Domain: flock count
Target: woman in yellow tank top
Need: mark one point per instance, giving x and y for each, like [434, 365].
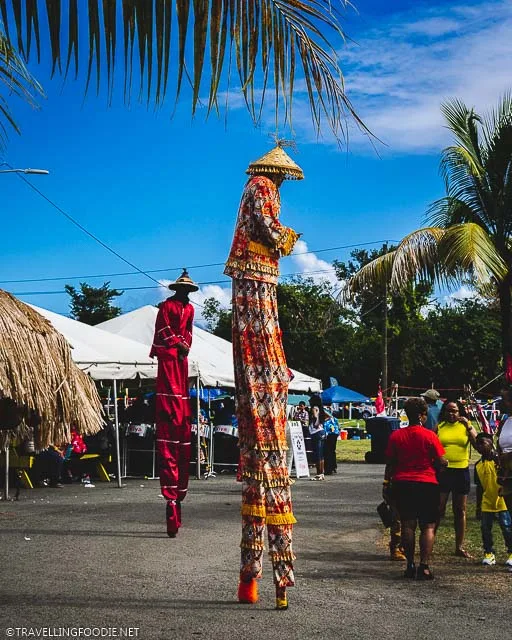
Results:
[456, 434]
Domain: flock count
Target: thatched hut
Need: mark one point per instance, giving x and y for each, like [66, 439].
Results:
[38, 374]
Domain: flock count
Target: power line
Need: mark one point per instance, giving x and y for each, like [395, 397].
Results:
[166, 270]
[82, 228]
[160, 285]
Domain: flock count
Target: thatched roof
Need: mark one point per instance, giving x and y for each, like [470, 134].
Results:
[37, 372]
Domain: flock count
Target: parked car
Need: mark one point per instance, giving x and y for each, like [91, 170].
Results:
[364, 410]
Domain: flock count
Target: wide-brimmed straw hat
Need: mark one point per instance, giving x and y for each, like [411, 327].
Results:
[184, 282]
[279, 162]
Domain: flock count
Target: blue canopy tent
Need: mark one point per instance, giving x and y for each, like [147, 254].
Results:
[342, 395]
[206, 393]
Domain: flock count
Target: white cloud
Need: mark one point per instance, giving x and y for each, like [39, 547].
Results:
[223, 295]
[399, 73]
[463, 293]
[311, 266]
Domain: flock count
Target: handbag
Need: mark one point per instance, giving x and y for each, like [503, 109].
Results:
[385, 513]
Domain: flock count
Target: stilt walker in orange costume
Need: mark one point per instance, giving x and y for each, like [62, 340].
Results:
[261, 375]
[171, 344]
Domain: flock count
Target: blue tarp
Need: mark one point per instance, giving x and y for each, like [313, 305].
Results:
[342, 394]
[209, 394]
[294, 399]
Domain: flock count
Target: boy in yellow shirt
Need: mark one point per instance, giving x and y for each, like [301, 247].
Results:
[492, 504]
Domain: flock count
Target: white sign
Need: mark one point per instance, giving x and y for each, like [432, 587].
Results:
[297, 451]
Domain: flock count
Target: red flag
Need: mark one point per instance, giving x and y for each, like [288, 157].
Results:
[508, 368]
[380, 407]
[484, 423]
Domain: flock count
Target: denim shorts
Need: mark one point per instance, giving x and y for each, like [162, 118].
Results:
[317, 440]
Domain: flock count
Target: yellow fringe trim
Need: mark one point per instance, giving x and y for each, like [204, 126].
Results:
[261, 249]
[251, 265]
[253, 510]
[277, 482]
[280, 518]
[288, 242]
[252, 546]
[273, 445]
[287, 555]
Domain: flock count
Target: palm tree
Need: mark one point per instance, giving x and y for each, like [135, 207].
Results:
[16, 80]
[264, 41]
[471, 227]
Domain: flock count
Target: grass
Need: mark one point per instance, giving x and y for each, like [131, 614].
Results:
[352, 450]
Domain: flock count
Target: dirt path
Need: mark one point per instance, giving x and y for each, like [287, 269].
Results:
[99, 558]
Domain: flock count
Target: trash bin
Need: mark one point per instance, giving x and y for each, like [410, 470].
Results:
[379, 430]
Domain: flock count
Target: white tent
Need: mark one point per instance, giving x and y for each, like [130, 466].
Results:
[99, 353]
[212, 355]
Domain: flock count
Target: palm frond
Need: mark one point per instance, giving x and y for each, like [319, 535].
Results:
[417, 257]
[271, 40]
[468, 247]
[375, 273]
[498, 162]
[17, 80]
[449, 210]
[463, 122]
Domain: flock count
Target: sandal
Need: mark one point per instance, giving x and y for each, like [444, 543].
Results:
[410, 572]
[424, 573]
[462, 553]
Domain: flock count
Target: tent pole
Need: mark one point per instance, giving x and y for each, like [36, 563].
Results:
[198, 409]
[6, 484]
[118, 456]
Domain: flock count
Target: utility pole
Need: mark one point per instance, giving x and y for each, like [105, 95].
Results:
[385, 344]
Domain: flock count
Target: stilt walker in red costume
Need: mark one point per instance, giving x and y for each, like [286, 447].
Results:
[261, 375]
[171, 344]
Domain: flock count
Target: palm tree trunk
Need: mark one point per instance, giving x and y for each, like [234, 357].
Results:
[504, 292]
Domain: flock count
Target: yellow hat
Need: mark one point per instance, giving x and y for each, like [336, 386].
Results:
[184, 281]
[276, 161]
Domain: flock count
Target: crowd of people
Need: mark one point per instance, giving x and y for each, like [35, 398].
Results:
[428, 461]
[322, 429]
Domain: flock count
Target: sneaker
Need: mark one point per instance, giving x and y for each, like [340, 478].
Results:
[490, 559]
[508, 562]
[319, 476]
[396, 554]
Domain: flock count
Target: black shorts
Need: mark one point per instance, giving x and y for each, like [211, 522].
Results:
[417, 501]
[455, 481]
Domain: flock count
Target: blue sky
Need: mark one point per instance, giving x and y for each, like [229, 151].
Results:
[164, 192]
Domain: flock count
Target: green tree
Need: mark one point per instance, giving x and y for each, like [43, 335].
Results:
[164, 43]
[16, 79]
[471, 227]
[218, 320]
[93, 305]
[404, 318]
[315, 327]
[462, 345]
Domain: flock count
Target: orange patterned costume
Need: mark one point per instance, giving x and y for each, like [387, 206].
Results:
[261, 378]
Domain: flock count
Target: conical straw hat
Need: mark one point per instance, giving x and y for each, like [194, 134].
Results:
[276, 161]
[184, 281]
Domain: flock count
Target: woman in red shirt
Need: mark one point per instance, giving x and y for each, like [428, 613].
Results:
[413, 455]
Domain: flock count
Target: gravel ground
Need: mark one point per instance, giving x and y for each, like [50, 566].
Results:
[84, 558]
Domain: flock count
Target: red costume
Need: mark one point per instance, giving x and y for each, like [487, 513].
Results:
[173, 338]
[262, 377]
